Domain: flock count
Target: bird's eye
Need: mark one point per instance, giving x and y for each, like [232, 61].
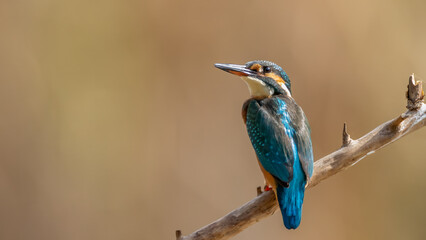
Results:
[267, 69]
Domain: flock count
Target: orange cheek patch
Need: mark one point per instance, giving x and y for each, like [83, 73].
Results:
[277, 78]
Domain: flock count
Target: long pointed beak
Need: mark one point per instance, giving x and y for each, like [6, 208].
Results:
[239, 70]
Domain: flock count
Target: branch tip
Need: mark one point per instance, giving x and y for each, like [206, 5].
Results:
[415, 93]
[346, 137]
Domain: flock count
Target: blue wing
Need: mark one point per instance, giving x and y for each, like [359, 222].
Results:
[280, 135]
[304, 145]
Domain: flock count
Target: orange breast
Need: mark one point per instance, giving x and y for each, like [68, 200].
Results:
[268, 177]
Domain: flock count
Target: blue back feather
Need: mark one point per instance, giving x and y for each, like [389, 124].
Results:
[280, 136]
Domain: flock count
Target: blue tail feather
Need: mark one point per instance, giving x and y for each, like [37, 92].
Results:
[291, 199]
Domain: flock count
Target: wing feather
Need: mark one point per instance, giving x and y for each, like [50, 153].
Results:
[273, 146]
[280, 134]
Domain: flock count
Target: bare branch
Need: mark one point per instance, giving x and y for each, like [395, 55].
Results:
[348, 155]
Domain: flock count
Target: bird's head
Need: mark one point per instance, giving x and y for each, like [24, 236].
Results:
[263, 78]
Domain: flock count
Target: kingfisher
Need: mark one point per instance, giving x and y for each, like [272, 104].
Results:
[279, 132]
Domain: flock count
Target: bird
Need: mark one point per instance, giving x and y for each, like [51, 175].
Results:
[279, 132]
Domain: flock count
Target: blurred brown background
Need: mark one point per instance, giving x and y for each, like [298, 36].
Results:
[115, 124]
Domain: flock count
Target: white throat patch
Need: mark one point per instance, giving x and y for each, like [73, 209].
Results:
[258, 88]
[283, 86]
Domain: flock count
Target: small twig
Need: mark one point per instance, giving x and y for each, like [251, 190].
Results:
[259, 190]
[346, 137]
[178, 235]
[415, 93]
[345, 157]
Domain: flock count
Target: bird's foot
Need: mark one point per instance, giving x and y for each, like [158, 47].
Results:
[266, 188]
